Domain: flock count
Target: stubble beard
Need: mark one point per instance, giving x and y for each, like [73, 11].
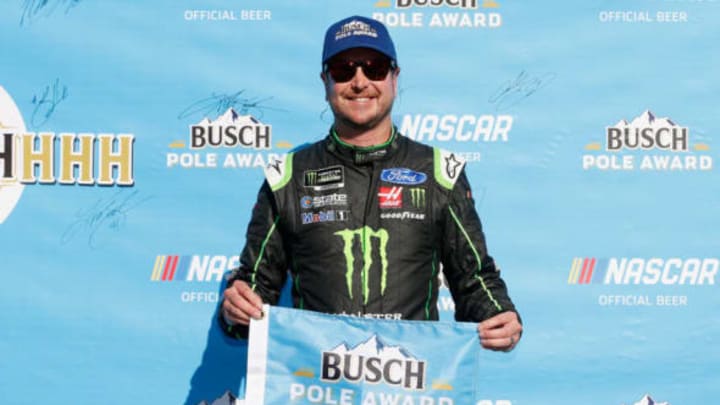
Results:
[361, 126]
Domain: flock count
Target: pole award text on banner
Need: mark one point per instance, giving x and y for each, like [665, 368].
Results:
[304, 357]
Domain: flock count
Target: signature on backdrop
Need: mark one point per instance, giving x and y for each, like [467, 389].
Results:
[218, 103]
[32, 9]
[105, 215]
[512, 92]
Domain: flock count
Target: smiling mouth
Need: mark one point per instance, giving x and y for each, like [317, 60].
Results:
[360, 99]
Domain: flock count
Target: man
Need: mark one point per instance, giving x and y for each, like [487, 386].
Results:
[364, 218]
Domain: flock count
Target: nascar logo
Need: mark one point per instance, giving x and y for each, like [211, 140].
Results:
[624, 271]
[192, 267]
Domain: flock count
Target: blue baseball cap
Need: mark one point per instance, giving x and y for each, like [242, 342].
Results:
[357, 32]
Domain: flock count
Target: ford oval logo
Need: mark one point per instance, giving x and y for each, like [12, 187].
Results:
[401, 175]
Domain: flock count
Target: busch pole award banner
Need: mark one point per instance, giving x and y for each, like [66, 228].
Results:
[304, 357]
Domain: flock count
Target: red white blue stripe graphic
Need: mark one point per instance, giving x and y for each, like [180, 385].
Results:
[583, 269]
[169, 268]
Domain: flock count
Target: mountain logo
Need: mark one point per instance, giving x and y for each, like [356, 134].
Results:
[373, 361]
[647, 400]
[648, 143]
[645, 132]
[230, 130]
[230, 141]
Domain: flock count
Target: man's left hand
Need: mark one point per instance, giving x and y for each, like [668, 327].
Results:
[501, 332]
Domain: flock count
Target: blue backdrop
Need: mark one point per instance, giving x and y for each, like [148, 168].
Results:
[590, 134]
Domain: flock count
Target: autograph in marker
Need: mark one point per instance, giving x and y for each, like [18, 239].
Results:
[217, 104]
[106, 214]
[514, 91]
[46, 103]
[43, 8]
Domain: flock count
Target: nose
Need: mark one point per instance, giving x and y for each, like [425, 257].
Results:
[359, 81]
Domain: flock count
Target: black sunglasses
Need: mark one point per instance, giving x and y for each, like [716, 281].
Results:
[375, 69]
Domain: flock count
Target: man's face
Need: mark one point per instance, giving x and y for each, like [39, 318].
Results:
[360, 103]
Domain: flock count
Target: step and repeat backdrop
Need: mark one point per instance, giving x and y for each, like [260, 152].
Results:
[590, 130]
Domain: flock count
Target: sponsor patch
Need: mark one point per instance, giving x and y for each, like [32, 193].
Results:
[325, 178]
[319, 201]
[390, 197]
[400, 175]
[325, 216]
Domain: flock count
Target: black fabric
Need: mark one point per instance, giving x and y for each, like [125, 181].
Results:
[365, 257]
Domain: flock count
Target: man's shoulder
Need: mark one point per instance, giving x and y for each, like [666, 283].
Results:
[446, 165]
[416, 147]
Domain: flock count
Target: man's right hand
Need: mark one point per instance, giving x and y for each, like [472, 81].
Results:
[240, 303]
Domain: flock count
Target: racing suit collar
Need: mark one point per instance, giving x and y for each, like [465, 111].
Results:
[362, 154]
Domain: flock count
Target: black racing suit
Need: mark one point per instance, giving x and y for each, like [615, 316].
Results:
[363, 231]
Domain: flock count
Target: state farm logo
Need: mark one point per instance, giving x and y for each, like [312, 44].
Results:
[390, 197]
[648, 143]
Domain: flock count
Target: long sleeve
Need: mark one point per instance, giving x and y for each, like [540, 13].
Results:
[475, 284]
[263, 262]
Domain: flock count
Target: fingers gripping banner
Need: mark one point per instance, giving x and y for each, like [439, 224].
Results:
[303, 357]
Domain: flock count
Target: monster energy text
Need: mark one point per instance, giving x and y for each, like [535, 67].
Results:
[365, 235]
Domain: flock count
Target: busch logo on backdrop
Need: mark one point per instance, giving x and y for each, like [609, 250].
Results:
[648, 143]
[462, 14]
[231, 141]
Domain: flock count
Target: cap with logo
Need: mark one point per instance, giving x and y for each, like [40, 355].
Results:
[357, 32]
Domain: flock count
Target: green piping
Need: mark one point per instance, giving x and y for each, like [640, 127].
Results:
[364, 148]
[477, 257]
[301, 304]
[262, 251]
[434, 274]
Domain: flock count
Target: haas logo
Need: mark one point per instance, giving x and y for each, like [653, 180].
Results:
[10, 121]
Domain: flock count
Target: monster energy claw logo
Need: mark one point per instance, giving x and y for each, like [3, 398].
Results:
[311, 178]
[325, 178]
[365, 236]
[417, 195]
